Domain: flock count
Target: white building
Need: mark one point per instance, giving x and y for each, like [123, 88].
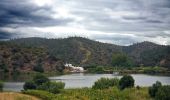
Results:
[74, 68]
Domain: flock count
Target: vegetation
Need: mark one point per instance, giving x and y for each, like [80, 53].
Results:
[1, 86]
[41, 82]
[39, 79]
[45, 95]
[121, 60]
[112, 93]
[18, 59]
[159, 92]
[163, 93]
[29, 85]
[126, 82]
[38, 68]
[105, 83]
[86, 52]
[52, 87]
[154, 89]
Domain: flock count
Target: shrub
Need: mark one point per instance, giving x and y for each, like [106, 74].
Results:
[163, 93]
[38, 68]
[39, 79]
[41, 94]
[53, 87]
[29, 85]
[154, 88]
[126, 82]
[104, 83]
[1, 86]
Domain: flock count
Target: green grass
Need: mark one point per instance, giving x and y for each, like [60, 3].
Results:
[92, 94]
[106, 94]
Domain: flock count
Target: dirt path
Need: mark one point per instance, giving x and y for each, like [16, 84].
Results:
[88, 53]
[16, 96]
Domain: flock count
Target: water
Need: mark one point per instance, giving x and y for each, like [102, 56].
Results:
[87, 80]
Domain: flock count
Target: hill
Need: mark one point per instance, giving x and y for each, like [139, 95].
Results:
[75, 50]
[17, 58]
[86, 52]
[148, 53]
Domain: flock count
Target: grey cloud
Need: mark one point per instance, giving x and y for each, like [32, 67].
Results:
[20, 12]
[143, 18]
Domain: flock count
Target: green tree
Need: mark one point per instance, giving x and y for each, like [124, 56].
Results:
[53, 87]
[126, 81]
[29, 85]
[163, 93]
[1, 86]
[154, 88]
[38, 68]
[39, 79]
[121, 60]
[104, 83]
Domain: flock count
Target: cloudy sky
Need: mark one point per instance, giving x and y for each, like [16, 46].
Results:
[113, 21]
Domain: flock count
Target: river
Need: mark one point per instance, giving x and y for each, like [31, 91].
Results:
[79, 80]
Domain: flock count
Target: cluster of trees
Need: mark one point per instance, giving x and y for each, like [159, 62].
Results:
[104, 83]
[126, 81]
[159, 92]
[1, 86]
[41, 82]
[121, 60]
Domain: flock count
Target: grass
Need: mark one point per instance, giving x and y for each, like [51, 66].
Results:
[16, 96]
[93, 94]
[105, 94]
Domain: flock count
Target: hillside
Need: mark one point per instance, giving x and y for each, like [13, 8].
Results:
[147, 53]
[85, 52]
[16, 58]
[75, 50]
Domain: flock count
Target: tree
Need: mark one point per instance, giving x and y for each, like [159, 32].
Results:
[29, 85]
[38, 68]
[121, 60]
[104, 83]
[53, 87]
[99, 69]
[1, 86]
[126, 82]
[163, 93]
[39, 79]
[154, 88]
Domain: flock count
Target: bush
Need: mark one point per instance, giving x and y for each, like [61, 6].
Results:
[53, 87]
[163, 93]
[39, 79]
[29, 85]
[41, 94]
[104, 83]
[126, 82]
[38, 68]
[1, 86]
[154, 88]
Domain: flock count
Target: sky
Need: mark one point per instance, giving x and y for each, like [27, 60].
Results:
[121, 22]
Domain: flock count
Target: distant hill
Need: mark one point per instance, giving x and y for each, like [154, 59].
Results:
[86, 52]
[75, 50]
[15, 58]
[148, 53]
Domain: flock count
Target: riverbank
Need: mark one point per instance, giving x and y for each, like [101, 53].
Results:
[129, 70]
